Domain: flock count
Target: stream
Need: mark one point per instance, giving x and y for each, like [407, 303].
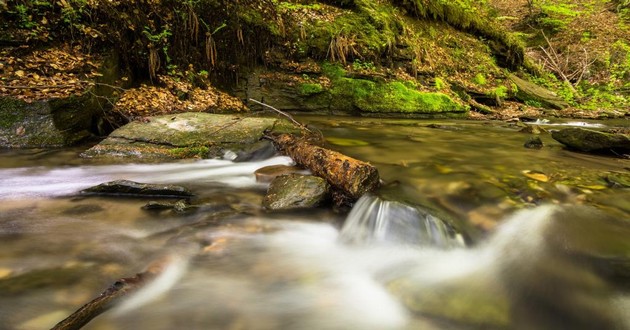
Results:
[470, 231]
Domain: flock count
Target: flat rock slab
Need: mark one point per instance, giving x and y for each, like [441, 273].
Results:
[295, 191]
[185, 135]
[131, 188]
[588, 140]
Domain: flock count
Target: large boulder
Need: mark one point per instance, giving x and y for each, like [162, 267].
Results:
[185, 135]
[295, 191]
[588, 140]
[50, 123]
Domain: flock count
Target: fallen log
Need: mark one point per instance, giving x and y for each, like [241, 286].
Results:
[110, 297]
[353, 177]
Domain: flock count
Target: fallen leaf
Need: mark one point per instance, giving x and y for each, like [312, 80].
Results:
[538, 176]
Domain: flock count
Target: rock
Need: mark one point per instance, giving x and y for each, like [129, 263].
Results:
[126, 187]
[57, 277]
[181, 206]
[618, 180]
[38, 124]
[588, 140]
[477, 303]
[533, 129]
[186, 135]
[533, 142]
[268, 173]
[258, 151]
[529, 92]
[295, 191]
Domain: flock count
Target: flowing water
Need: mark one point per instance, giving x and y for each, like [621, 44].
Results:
[470, 231]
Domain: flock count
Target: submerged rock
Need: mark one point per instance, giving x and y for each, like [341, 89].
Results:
[588, 140]
[533, 129]
[181, 206]
[185, 135]
[295, 191]
[126, 187]
[533, 142]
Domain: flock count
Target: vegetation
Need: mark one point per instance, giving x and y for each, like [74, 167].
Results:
[395, 52]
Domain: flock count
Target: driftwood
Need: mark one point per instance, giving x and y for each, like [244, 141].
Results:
[110, 297]
[353, 177]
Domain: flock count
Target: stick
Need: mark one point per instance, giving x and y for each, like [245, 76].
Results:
[297, 123]
[110, 297]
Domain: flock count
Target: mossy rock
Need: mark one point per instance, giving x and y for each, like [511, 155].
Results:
[295, 191]
[186, 135]
[588, 140]
[531, 93]
[51, 123]
[476, 304]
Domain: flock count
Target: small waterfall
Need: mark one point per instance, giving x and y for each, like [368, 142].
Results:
[376, 220]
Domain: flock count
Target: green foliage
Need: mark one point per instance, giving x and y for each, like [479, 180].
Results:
[333, 71]
[357, 65]
[500, 92]
[534, 103]
[480, 79]
[439, 84]
[471, 16]
[619, 61]
[554, 16]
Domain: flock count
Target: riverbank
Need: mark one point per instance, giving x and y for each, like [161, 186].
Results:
[366, 58]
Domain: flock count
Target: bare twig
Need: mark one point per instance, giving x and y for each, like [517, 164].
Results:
[297, 123]
[110, 297]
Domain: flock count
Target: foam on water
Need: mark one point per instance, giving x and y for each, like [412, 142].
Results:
[43, 182]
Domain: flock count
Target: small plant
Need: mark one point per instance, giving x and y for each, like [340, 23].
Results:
[439, 84]
[357, 65]
[501, 92]
[480, 79]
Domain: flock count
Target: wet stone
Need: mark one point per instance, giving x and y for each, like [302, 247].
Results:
[533, 129]
[83, 209]
[268, 173]
[131, 188]
[181, 206]
[295, 191]
[618, 180]
[533, 142]
[588, 140]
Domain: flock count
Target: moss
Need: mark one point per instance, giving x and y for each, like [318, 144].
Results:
[190, 152]
[480, 79]
[387, 97]
[439, 84]
[308, 89]
[471, 16]
[11, 112]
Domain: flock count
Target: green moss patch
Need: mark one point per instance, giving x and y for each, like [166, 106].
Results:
[386, 97]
